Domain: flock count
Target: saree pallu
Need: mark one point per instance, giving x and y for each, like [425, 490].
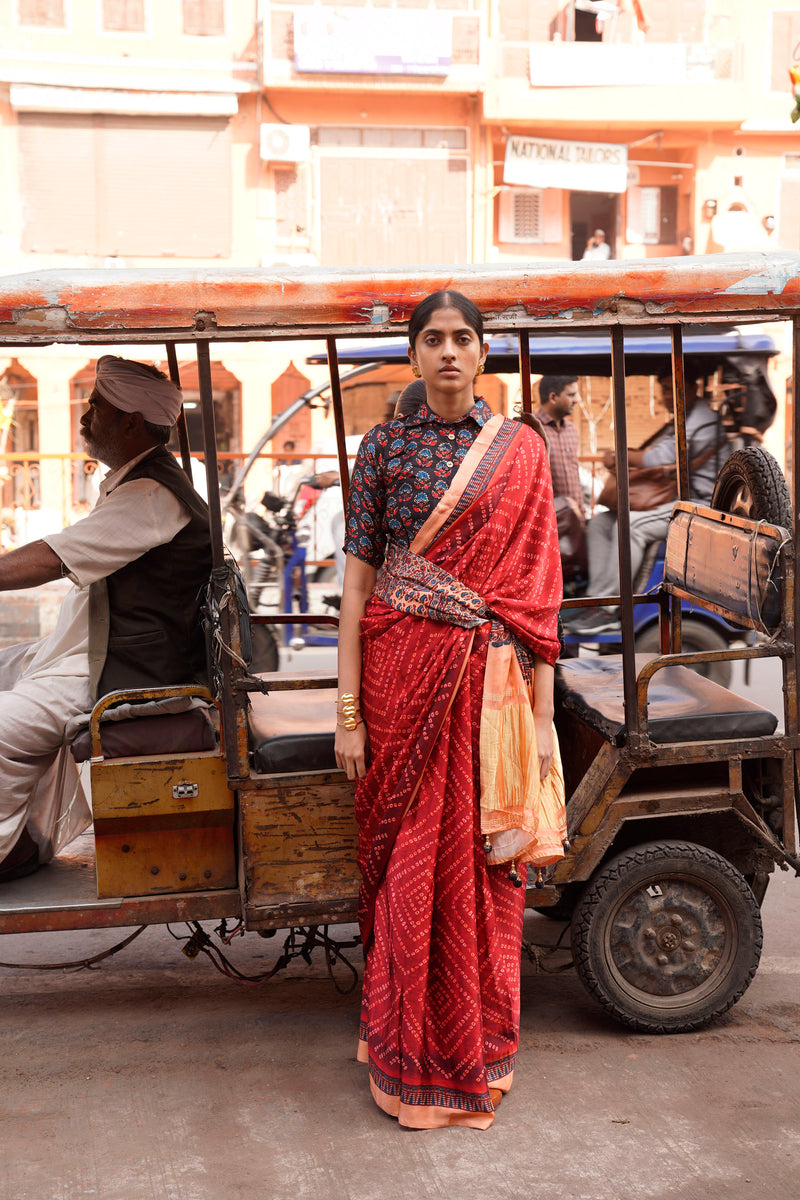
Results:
[442, 930]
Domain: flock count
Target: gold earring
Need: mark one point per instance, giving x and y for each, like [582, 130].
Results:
[415, 371]
[479, 370]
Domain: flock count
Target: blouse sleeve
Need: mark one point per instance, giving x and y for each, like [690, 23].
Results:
[365, 535]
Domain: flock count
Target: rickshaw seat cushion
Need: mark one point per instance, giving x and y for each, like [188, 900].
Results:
[293, 730]
[295, 752]
[167, 733]
[682, 705]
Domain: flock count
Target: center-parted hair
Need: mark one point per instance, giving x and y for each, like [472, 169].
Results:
[444, 299]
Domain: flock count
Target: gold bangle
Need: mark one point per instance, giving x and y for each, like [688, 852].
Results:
[349, 710]
[349, 723]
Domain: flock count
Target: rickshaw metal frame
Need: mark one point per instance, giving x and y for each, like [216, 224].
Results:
[179, 309]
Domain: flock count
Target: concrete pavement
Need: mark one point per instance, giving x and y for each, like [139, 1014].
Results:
[155, 1078]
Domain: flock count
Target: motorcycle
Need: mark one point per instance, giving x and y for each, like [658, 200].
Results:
[271, 547]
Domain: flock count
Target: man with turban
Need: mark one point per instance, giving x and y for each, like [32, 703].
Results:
[138, 563]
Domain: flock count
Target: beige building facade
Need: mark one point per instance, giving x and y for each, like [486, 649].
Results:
[214, 133]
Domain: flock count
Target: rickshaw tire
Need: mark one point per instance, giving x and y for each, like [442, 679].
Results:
[751, 484]
[265, 649]
[666, 936]
[695, 635]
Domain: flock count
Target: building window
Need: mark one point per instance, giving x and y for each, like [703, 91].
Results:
[204, 18]
[653, 216]
[124, 16]
[45, 13]
[785, 39]
[520, 215]
[391, 137]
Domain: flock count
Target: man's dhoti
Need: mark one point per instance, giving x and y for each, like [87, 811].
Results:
[39, 784]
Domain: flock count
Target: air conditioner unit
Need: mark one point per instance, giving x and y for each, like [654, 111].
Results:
[285, 143]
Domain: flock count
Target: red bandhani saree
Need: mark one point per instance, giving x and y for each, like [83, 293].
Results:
[441, 928]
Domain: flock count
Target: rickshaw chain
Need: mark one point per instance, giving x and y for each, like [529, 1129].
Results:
[300, 943]
[88, 963]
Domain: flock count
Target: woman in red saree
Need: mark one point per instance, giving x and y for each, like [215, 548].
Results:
[446, 650]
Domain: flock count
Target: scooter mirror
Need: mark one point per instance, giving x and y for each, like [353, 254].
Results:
[272, 503]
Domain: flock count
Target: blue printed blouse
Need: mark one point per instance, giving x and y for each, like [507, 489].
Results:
[402, 470]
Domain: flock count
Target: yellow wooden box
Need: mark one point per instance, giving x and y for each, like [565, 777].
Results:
[163, 824]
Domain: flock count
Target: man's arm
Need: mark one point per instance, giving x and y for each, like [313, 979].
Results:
[29, 566]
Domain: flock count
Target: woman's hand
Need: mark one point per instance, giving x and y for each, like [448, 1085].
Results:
[351, 748]
[544, 743]
[543, 675]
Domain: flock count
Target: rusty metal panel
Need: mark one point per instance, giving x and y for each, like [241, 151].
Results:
[116, 305]
[299, 842]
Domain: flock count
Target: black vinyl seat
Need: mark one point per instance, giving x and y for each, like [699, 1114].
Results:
[293, 730]
[682, 705]
[295, 752]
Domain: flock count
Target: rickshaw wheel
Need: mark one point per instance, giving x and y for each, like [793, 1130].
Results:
[265, 649]
[751, 484]
[667, 936]
[695, 635]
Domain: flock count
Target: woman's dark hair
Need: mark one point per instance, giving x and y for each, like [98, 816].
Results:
[419, 317]
[409, 400]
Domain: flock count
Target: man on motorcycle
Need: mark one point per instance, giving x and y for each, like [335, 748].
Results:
[708, 448]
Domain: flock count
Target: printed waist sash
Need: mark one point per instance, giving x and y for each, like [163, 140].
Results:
[513, 797]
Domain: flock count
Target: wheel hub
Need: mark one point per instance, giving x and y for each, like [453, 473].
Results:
[668, 938]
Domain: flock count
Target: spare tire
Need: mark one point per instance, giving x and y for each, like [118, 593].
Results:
[751, 484]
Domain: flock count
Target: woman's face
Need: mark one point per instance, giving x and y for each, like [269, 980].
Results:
[447, 351]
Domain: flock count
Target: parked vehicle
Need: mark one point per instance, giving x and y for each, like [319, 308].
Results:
[682, 798]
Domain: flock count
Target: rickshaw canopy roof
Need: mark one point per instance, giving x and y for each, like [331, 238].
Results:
[120, 305]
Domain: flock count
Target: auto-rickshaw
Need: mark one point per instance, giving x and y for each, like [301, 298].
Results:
[681, 796]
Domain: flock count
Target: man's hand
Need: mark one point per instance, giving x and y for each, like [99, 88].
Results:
[29, 566]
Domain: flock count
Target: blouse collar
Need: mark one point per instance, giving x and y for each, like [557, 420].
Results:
[480, 413]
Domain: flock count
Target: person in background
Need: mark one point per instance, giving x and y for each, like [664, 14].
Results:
[558, 395]
[597, 247]
[707, 450]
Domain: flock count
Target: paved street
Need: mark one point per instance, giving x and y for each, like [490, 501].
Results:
[151, 1077]
[155, 1078]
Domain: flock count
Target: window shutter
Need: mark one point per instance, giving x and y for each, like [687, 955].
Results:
[204, 18]
[47, 13]
[127, 16]
[146, 186]
[520, 215]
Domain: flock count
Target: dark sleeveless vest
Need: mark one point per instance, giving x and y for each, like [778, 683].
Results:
[151, 634]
